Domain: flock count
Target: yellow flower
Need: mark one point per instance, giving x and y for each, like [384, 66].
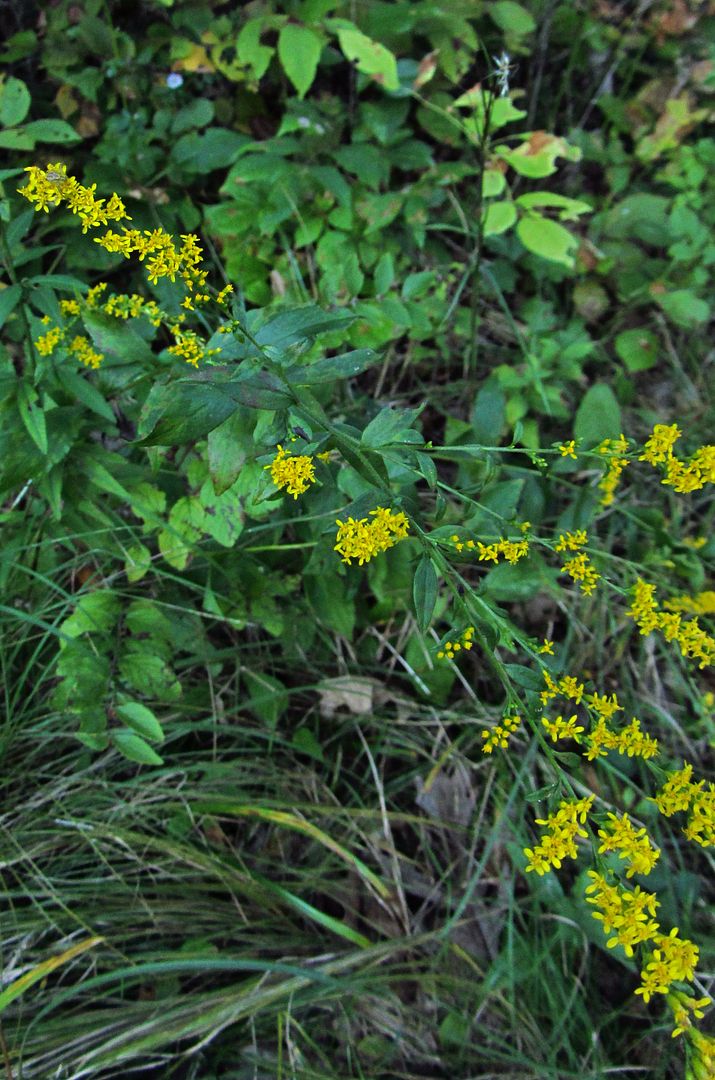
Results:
[558, 842]
[364, 539]
[631, 844]
[547, 647]
[563, 729]
[295, 473]
[499, 735]
[81, 348]
[567, 449]
[659, 446]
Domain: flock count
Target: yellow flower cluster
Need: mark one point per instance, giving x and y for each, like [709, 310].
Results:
[623, 912]
[125, 306]
[163, 258]
[682, 1007]
[499, 735]
[190, 347]
[450, 648]
[703, 603]
[613, 450]
[679, 793]
[52, 186]
[81, 348]
[559, 840]
[512, 550]
[568, 687]
[294, 472]
[683, 476]
[690, 636]
[567, 449]
[579, 568]
[631, 844]
[563, 729]
[364, 539]
[630, 740]
[673, 959]
[47, 343]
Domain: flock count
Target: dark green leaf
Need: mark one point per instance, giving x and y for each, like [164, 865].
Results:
[598, 416]
[141, 720]
[135, 748]
[424, 591]
[8, 301]
[14, 102]
[344, 366]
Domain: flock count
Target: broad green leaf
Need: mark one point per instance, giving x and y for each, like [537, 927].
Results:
[547, 238]
[83, 390]
[570, 208]
[16, 139]
[198, 113]
[141, 720]
[95, 613]
[229, 445]
[493, 183]
[135, 748]
[224, 516]
[9, 299]
[512, 18]
[300, 324]
[117, 339]
[148, 674]
[137, 562]
[299, 50]
[499, 217]
[683, 307]
[424, 591]
[598, 416]
[14, 102]
[52, 131]
[344, 366]
[385, 428]
[638, 349]
[370, 57]
[182, 411]
[536, 156]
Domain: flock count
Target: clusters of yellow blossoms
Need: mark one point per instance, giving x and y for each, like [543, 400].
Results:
[512, 550]
[693, 640]
[558, 842]
[451, 648]
[499, 735]
[364, 539]
[613, 450]
[683, 475]
[679, 794]
[579, 567]
[294, 472]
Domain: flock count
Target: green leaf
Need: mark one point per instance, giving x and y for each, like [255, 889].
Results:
[16, 139]
[148, 674]
[14, 102]
[182, 411]
[198, 113]
[229, 445]
[305, 742]
[52, 131]
[499, 217]
[110, 336]
[301, 324]
[9, 299]
[299, 50]
[370, 57]
[33, 416]
[81, 388]
[570, 208]
[141, 720]
[384, 428]
[598, 416]
[512, 18]
[683, 307]
[95, 613]
[268, 698]
[424, 591]
[547, 238]
[344, 366]
[638, 349]
[137, 562]
[135, 748]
